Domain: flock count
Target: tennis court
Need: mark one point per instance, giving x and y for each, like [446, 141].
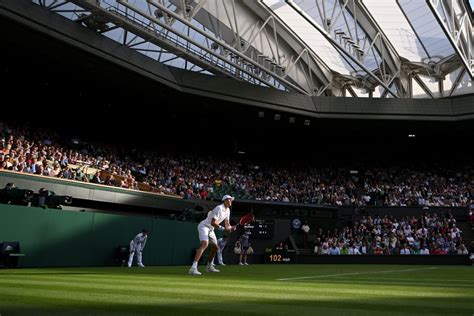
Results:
[241, 290]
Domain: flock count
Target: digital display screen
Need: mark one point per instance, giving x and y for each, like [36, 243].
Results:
[261, 228]
[279, 256]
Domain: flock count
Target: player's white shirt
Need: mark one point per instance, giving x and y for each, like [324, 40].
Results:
[138, 243]
[140, 239]
[220, 213]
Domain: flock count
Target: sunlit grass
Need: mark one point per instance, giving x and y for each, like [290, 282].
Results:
[237, 290]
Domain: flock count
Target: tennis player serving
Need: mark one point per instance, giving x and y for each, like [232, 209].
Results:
[221, 213]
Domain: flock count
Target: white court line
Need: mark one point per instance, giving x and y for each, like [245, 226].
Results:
[353, 273]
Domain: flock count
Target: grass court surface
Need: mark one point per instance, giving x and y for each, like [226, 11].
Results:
[240, 290]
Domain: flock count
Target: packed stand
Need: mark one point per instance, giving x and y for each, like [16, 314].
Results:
[40, 152]
[428, 234]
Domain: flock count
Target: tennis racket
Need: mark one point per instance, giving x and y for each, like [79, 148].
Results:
[245, 219]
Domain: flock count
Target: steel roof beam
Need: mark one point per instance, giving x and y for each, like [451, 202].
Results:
[372, 29]
[459, 31]
[340, 47]
[255, 33]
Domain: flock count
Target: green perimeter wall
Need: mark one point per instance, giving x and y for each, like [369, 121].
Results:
[55, 238]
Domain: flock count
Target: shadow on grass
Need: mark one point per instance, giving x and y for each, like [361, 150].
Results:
[16, 305]
[55, 273]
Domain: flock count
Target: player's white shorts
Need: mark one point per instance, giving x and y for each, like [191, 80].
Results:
[206, 233]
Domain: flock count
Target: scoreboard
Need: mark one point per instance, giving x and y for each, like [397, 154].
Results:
[261, 228]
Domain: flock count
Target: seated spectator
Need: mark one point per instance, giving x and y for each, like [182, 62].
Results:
[353, 250]
[344, 250]
[438, 250]
[334, 250]
[325, 250]
[123, 183]
[96, 178]
[110, 180]
[378, 250]
[405, 250]
[462, 250]
[424, 250]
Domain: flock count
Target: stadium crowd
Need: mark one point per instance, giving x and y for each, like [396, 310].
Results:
[428, 234]
[41, 152]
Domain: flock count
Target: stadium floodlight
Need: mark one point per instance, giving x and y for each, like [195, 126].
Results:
[277, 117]
[307, 122]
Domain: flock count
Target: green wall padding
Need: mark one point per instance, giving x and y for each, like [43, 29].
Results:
[52, 238]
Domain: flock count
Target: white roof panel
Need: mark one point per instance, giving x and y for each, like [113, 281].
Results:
[340, 21]
[310, 36]
[391, 19]
[428, 29]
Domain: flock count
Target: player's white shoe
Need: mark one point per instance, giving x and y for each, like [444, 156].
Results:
[245, 263]
[222, 264]
[241, 264]
[194, 272]
[210, 268]
[141, 265]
